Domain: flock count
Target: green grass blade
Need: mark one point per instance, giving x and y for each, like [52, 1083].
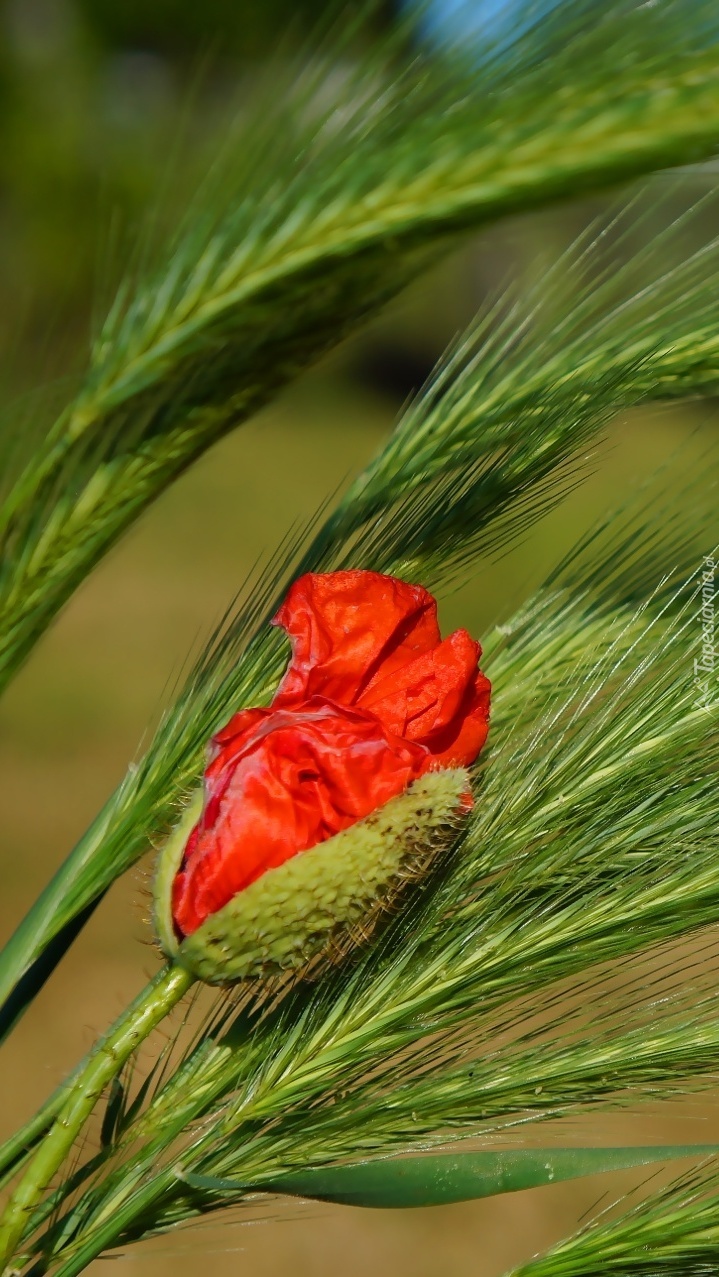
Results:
[452, 1177]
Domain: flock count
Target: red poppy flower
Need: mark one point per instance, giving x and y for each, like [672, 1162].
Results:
[372, 698]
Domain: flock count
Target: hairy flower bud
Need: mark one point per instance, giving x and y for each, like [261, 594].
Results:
[321, 902]
[359, 760]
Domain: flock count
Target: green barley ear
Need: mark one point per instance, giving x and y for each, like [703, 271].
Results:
[320, 904]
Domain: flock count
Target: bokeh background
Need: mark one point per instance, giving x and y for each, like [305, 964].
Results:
[105, 107]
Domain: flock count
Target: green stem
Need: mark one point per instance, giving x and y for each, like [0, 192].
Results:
[17, 1149]
[83, 1092]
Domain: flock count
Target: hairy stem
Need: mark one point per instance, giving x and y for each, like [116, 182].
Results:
[86, 1087]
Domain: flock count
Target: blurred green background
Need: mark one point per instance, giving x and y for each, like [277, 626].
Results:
[94, 97]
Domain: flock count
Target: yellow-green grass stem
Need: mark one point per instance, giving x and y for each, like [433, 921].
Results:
[83, 1091]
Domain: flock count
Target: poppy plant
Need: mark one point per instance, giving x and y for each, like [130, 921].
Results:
[372, 699]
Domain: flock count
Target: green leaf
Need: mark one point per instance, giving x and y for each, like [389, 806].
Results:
[452, 1177]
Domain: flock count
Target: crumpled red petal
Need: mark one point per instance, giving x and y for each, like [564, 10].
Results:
[426, 700]
[279, 782]
[458, 742]
[363, 639]
[349, 630]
